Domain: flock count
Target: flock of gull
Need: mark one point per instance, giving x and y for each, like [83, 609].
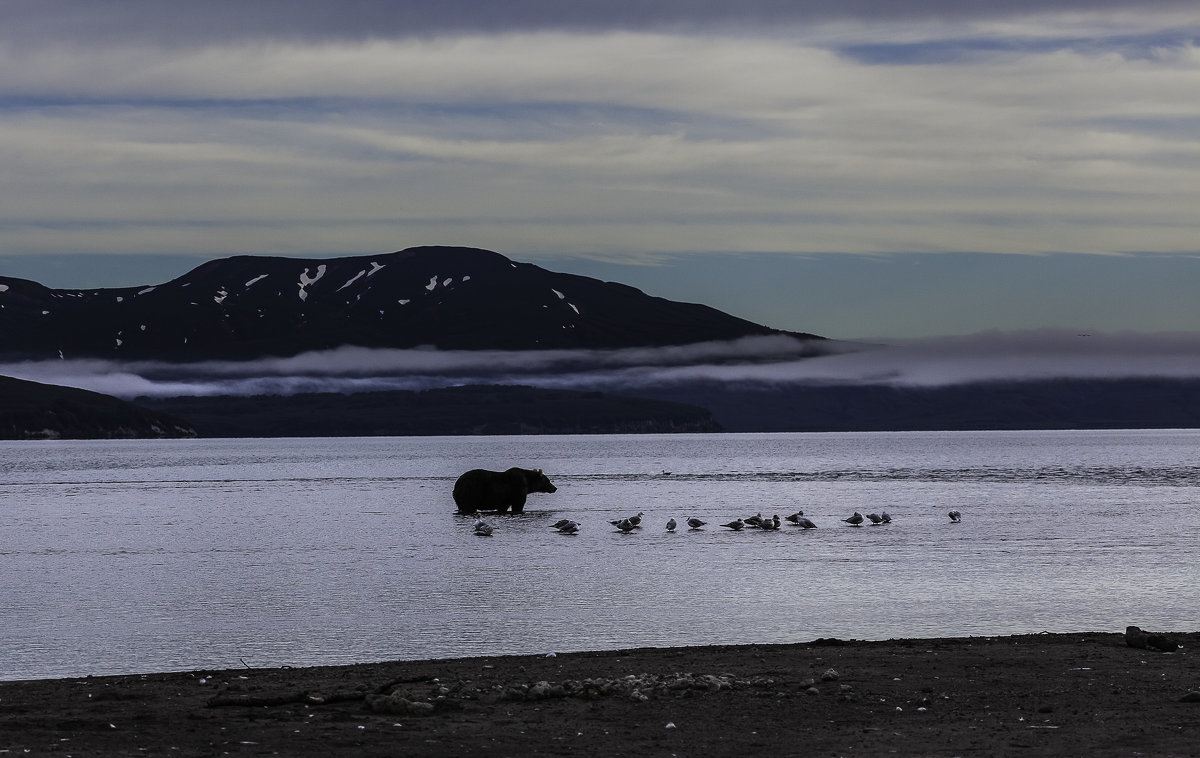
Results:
[757, 521]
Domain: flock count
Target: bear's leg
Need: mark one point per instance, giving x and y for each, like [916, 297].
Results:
[518, 505]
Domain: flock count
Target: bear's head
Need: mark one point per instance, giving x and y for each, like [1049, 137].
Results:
[538, 482]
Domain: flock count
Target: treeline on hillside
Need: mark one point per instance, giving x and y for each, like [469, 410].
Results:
[1040, 404]
[479, 409]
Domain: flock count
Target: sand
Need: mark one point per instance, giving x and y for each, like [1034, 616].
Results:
[1049, 694]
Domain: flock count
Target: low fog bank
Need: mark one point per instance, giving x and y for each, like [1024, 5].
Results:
[767, 361]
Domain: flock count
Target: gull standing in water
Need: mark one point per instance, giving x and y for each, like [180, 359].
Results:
[634, 521]
[736, 525]
[483, 528]
[571, 527]
[875, 518]
[695, 523]
[672, 524]
[854, 520]
[955, 516]
[795, 517]
[626, 526]
[769, 524]
[806, 523]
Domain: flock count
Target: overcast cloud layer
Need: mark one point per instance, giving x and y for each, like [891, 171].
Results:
[599, 129]
[993, 356]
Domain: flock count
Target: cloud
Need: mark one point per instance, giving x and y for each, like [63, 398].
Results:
[984, 357]
[202, 24]
[639, 142]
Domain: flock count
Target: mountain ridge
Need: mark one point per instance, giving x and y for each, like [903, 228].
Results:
[438, 296]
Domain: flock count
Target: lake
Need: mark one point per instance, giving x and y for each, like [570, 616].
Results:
[136, 556]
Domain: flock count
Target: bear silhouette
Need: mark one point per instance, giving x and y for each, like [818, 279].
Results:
[483, 490]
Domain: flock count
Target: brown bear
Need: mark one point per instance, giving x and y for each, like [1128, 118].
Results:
[482, 490]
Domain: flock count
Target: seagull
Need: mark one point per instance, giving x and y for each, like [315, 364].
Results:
[695, 523]
[875, 518]
[885, 517]
[626, 526]
[634, 521]
[769, 524]
[671, 525]
[854, 520]
[569, 528]
[736, 525]
[795, 517]
[561, 523]
[483, 528]
[755, 520]
[955, 516]
[806, 524]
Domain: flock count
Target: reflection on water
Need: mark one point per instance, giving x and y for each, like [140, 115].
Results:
[120, 557]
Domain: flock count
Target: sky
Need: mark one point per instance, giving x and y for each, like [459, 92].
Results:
[856, 169]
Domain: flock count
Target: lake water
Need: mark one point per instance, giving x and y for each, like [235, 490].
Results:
[136, 556]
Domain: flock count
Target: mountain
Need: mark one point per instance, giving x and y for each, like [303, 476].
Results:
[451, 298]
[29, 410]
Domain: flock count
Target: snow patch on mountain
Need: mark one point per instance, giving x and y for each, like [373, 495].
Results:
[306, 280]
[352, 280]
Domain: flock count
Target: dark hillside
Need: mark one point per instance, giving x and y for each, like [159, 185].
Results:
[29, 410]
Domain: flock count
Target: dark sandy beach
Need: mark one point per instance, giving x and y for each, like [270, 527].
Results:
[1061, 694]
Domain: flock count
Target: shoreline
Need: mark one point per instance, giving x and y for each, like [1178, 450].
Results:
[1038, 694]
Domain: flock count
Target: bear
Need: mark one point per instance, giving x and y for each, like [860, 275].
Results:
[483, 490]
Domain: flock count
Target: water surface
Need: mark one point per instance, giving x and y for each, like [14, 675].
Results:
[134, 556]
